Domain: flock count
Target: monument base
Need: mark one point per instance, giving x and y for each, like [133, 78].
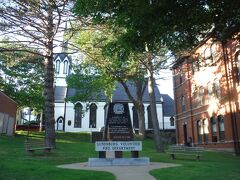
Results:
[118, 161]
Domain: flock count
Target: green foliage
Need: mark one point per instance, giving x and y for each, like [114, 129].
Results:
[22, 78]
[179, 25]
[89, 84]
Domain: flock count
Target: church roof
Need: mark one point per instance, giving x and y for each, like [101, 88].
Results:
[168, 105]
[120, 95]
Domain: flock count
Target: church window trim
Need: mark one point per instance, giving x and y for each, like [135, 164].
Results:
[57, 66]
[135, 118]
[93, 116]
[150, 124]
[65, 67]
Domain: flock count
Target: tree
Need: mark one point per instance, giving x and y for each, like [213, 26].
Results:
[112, 66]
[35, 25]
[22, 78]
[135, 19]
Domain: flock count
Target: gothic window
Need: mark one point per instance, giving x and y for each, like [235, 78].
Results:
[57, 66]
[205, 130]
[214, 129]
[93, 116]
[221, 128]
[150, 125]
[199, 131]
[135, 118]
[65, 67]
[171, 121]
[78, 115]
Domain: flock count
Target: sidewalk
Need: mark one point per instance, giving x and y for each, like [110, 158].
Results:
[123, 172]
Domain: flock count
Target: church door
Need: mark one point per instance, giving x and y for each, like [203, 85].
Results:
[60, 123]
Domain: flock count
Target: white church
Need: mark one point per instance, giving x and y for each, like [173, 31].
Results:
[73, 117]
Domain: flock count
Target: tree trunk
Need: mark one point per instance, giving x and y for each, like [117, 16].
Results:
[48, 83]
[49, 103]
[151, 92]
[141, 119]
[139, 107]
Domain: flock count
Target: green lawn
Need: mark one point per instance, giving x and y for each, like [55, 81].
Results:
[76, 147]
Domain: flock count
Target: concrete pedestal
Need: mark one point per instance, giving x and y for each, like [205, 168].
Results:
[118, 161]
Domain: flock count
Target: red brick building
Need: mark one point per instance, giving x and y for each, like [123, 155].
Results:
[207, 96]
[8, 109]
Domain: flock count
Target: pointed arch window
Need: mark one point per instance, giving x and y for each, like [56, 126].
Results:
[93, 116]
[78, 115]
[135, 118]
[57, 66]
[65, 67]
[150, 124]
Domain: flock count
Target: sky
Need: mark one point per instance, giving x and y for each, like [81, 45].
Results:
[165, 84]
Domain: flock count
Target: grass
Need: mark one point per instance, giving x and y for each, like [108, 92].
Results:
[76, 147]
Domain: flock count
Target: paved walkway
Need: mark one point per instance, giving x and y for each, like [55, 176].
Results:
[124, 172]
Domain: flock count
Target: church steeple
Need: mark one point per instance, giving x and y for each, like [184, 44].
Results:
[62, 68]
[65, 42]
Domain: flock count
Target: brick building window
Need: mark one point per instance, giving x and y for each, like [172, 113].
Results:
[199, 131]
[78, 115]
[214, 129]
[221, 128]
[183, 103]
[217, 88]
[195, 66]
[195, 99]
[214, 52]
[238, 66]
[210, 91]
[207, 56]
[202, 96]
[181, 78]
[205, 130]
